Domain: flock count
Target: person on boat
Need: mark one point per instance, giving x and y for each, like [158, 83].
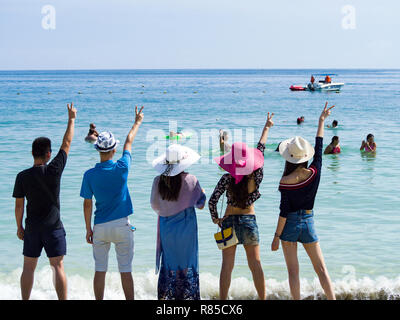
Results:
[224, 146]
[92, 134]
[328, 79]
[298, 187]
[241, 183]
[333, 125]
[333, 147]
[174, 196]
[300, 120]
[311, 85]
[369, 145]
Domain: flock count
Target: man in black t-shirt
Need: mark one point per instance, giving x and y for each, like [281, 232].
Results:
[40, 185]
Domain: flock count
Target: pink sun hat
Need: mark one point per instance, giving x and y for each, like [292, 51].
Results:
[241, 161]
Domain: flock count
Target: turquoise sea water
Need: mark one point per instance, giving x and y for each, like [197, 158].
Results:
[357, 205]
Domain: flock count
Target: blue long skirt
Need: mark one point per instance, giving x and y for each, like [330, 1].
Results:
[179, 272]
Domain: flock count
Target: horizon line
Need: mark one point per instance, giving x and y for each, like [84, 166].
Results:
[188, 69]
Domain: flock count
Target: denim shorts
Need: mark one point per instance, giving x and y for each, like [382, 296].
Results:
[245, 226]
[53, 242]
[299, 227]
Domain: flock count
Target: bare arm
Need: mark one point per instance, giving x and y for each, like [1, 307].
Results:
[267, 126]
[19, 214]
[132, 133]
[328, 149]
[221, 141]
[278, 232]
[87, 211]
[69, 133]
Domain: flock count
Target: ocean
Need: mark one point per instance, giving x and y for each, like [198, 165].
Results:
[357, 205]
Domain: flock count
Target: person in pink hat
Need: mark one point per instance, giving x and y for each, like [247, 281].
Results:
[244, 166]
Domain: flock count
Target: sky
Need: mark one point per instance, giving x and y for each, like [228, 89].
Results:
[199, 34]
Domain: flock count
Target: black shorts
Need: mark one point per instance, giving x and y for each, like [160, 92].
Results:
[53, 242]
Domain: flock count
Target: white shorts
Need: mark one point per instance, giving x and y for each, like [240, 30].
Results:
[118, 232]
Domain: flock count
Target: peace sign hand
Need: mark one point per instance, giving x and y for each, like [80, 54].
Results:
[269, 122]
[138, 115]
[71, 111]
[326, 112]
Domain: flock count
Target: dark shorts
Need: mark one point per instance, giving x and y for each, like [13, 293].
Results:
[245, 226]
[53, 242]
[299, 227]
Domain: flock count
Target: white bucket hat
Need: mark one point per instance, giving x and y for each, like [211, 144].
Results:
[175, 160]
[106, 142]
[296, 150]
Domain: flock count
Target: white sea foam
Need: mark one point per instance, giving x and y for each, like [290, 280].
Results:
[80, 287]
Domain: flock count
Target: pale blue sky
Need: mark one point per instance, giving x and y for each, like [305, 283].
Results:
[129, 34]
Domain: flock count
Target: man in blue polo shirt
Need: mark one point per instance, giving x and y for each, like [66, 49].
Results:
[107, 182]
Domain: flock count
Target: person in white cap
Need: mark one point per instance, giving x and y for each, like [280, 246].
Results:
[174, 196]
[107, 182]
[298, 187]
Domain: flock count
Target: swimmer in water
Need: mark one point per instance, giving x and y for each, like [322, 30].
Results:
[300, 120]
[176, 135]
[224, 146]
[333, 147]
[92, 134]
[334, 124]
[369, 145]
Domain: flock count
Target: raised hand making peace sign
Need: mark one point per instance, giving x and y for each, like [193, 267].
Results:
[139, 115]
[269, 122]
[326, 112]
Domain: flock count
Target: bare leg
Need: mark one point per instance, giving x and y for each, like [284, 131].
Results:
[254, 262]
[314, 252]
[99, 284]
[292, 263]
[127, 285]
[60, 280]
[228, 262]
[27, 277]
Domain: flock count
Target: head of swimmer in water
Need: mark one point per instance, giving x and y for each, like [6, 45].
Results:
[300, 119]
[370, 138]
[92, 126]
[334, 123]
[41, 149]
[335, 141]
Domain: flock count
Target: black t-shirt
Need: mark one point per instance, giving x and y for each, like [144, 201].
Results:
[41, 187]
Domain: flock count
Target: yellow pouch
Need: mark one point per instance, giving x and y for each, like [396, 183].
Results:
[226, 238]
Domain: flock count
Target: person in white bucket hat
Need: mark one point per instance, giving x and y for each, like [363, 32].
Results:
[298, 187]
[175, 160]
[107, 182]
[174, 196]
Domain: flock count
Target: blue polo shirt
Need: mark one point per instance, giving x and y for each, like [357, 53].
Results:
[107, 182]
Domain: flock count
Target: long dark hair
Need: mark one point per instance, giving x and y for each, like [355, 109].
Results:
[290, 167]
[169, 187]
[240, 191]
